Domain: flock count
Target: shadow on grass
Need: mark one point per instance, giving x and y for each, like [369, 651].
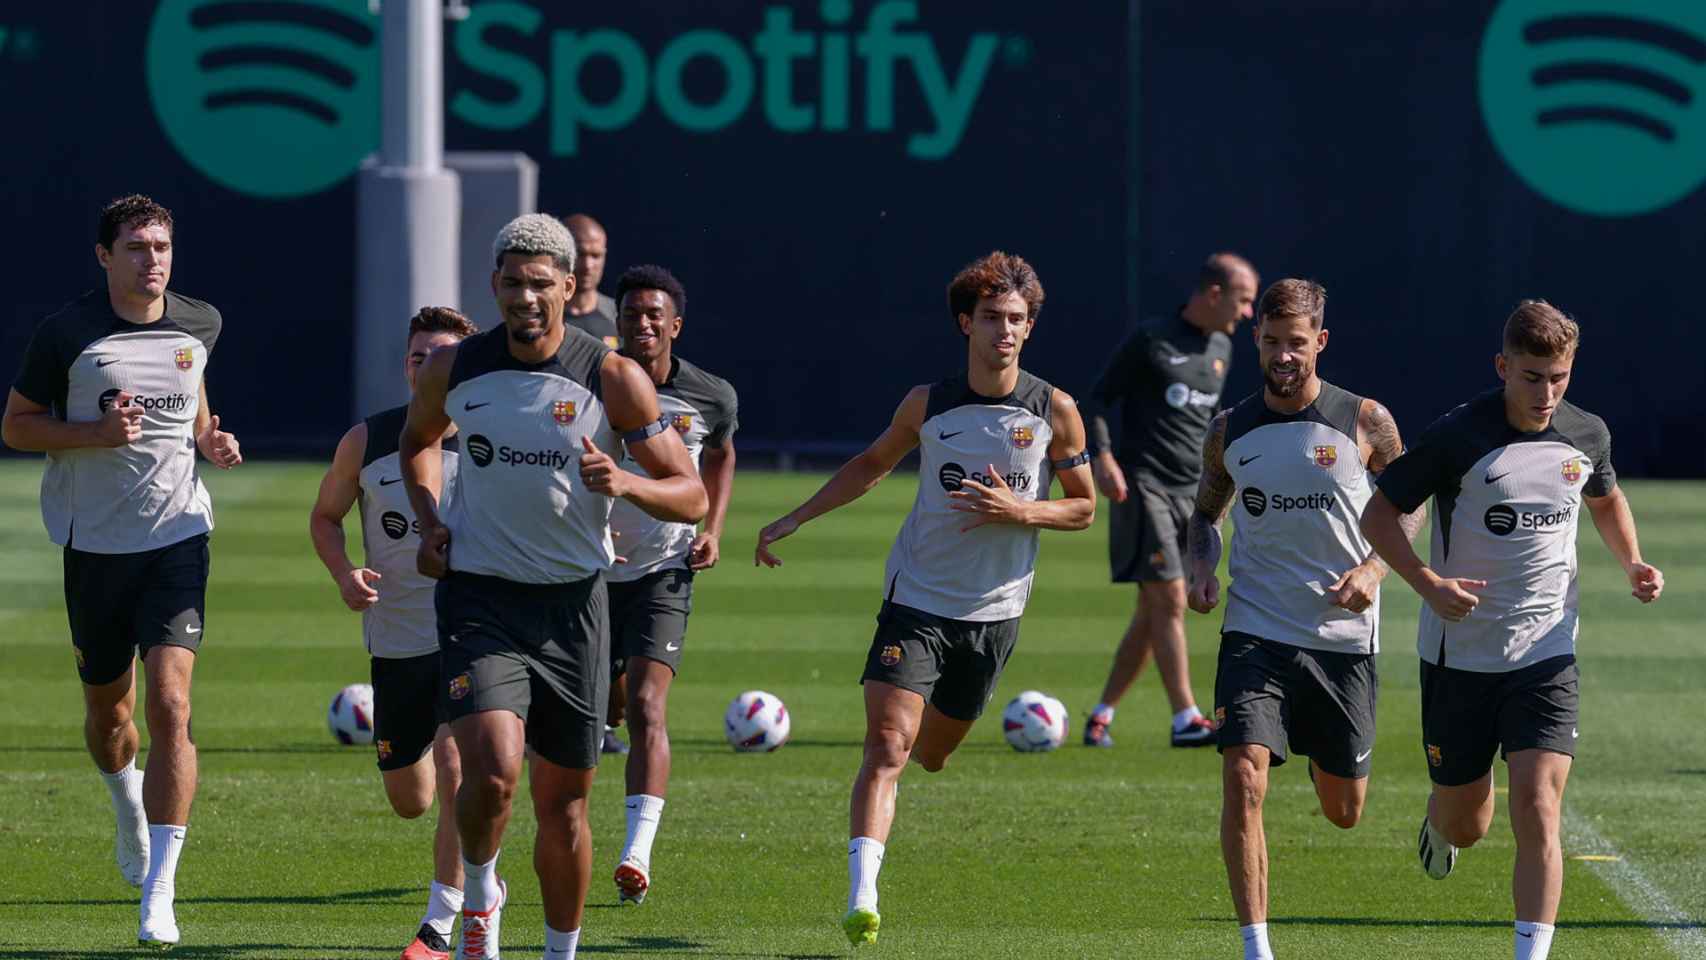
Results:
[384, 895]
[1687, 772]
[143, 753]
[1477, 924]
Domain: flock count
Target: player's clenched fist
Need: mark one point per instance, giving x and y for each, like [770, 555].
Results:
[356, 587]
[1204, 594]
[121, 423]
[433, 557]
[1453, 598]
[600, 473]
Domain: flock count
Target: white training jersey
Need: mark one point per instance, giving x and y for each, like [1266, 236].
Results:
[983, 574]
[402, 623]
[520, 511]
[1301, 488]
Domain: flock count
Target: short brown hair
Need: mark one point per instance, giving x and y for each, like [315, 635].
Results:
[135, 210]
[442, 320]
[995, 275]
[1291, 298]
[1219, 268]
[1539, 329]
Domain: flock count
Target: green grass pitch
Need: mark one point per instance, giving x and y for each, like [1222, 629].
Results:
[293, 852]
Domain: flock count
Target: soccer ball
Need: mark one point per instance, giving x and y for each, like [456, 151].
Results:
[756, 722]
[1034, 722]
[350, 716]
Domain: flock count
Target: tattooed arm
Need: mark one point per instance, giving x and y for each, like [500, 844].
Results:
[1377, 436]
[1203, 545]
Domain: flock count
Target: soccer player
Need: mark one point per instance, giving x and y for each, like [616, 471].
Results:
[1302, 621]
[1166, 378]
[395, 603]
[992, 440]
[589, 309]
[651, 592]
[1508, 472]
[112, 390]
[520, 551]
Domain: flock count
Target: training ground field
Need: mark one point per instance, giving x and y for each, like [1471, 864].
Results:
[294, 853]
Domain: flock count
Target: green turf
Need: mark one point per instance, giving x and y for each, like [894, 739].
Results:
[293, 852]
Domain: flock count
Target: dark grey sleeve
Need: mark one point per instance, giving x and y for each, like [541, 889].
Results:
[1597, 445]
[725, 416]
[1124, 373]
[1422, 471]
[45, 373]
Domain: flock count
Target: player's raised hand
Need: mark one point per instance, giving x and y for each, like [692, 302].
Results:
[1203, 594]
[1356, 590]
[121, 423]
[1110, 479]
[1453, 598]
[220, 448]
[600, 473]
[433, 557]
[356, 587]
[991, 503]
[704, 552]
[776, 531]
[1646, 582]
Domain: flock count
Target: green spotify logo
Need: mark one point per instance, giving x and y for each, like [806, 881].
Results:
[275, 99]
[1597, 104]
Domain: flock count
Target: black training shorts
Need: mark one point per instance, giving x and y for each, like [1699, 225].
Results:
[648, 618]
[1146, 533]
[408, 706]
[953, 664]
[1318, 703]
[123, 604]
[1469, 716]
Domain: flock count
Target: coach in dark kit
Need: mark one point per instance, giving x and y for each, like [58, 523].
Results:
[1165, 381]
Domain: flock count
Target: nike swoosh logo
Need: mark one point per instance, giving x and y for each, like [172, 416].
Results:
[1246, 461]
[672, 647]
[192, 630]
[386, 483]
[944, 436]
[107, 363]
[476, 406]
[1491, 478]
[1528, 935]
[1364, 755]
[1175, 361]
[1572, 733]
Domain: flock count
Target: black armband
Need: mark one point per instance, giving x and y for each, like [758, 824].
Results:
[646, 432]
[1081, 457]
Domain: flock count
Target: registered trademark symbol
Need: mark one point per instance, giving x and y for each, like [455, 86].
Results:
[1016, 51]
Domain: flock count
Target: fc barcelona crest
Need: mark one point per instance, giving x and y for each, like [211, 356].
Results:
[682, 422]
[1572, 470]
[890, 655]
[185, 357]
[1023, 437]
[563, 411]
[1326, 455]
[1219, 367]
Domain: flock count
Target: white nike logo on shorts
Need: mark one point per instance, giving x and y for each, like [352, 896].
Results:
[1572, 733]
[672, 647]
[192, 630]
[1176, 360]
[1364, 755]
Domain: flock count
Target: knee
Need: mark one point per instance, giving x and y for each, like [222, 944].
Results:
[109, 718]
[886, 752]
[488, 791]
[1342, 812]
[1168, 603]
[1534, 811]
[646, 711]
[168, 713]
[932, 764]
[1465, 831]
[1246, 787]
[409, 804]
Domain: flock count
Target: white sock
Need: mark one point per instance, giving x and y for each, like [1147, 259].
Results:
[165, 842]
[560, 945]
[864, 861]
[1256, 942]
[480, 890]
[1533, 940]
[1184, 717]
[644, 812]
[126, 788]
[1103, 714]
[442, 907]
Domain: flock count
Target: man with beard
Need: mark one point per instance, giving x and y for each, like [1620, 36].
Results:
[651, 591]
[993, 440]
[1303, 610]
[520, 552]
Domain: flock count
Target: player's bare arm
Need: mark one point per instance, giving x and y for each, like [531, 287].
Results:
[31, 427]
[670, 489]
[421, 461]
[1379, 444]
[338, 491]
[996, 503]
[856, 476]
[220, 448]
[1453, 598]
[717, 470]
[1203, 544]
[1616, 525]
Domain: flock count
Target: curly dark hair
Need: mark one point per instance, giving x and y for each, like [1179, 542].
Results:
[995, 275]
[442, 320]
[135, 210]
[650, 276]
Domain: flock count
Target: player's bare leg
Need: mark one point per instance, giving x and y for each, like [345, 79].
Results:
[168, 788]
[647, 774]
[110, 734]
[491, 745]
[939, 735]
[892, 718]
[1457, 817]
[1244, 842]
[1536, 809]
[411, 790]
[1341, 798]
[562, 851]
[1157, 630]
